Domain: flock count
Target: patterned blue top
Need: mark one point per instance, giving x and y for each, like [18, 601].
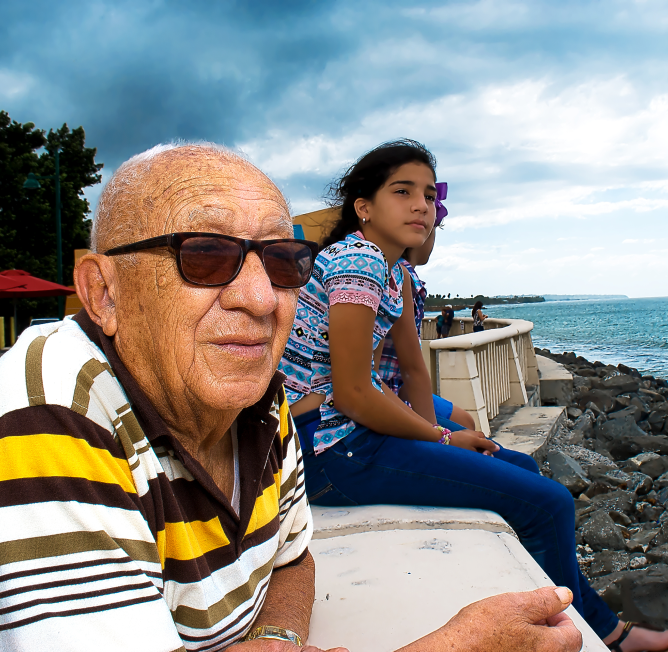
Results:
[353, 270]
[389, 368]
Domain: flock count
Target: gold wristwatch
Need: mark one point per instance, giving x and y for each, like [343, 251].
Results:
[275, 633]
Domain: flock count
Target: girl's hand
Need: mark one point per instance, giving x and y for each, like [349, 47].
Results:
[474, 441]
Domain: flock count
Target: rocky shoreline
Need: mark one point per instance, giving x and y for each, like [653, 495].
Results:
[612, 455]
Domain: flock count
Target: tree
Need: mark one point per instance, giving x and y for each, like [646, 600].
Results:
[27, 217]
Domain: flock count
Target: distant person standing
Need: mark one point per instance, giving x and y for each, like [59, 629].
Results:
[478, 317]
[441, 320]
[449, 316]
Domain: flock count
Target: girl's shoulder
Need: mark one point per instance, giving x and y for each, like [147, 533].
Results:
[354, 254]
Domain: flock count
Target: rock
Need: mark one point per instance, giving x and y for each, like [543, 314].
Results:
[639, 483]
[601, 533]
[621, 384]
[639, 561]
[649, 513]
[645, 596]
[642, 406]
[567, 472]
[608, 561]
[569, 357]
[618, 501]
[631, 411]
[586, 372]
[662, 497]
[574, 413]
[582, 514]
[598, 488]
[650, 464]
[620, 518]
[584, 425]
[656, 420]
[658, 554]
[644, 538]
[662, 481]
[609, 587]
[602, 399]
[580, 383]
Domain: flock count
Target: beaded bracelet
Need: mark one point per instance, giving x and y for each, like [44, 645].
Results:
[447, 434]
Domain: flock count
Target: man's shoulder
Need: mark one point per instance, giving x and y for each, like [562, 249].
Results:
[57, 364]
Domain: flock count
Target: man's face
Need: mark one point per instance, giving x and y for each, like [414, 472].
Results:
[217, 347]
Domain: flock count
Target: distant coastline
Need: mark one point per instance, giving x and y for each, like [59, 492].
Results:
[582, 297]
[435, 302]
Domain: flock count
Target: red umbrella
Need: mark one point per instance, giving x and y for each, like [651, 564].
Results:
[24, 286]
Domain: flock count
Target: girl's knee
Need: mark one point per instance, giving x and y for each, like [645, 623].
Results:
[463, 418]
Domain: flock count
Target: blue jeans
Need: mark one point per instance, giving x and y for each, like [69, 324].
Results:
[366, 468]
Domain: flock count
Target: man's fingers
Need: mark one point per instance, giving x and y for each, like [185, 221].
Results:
[559, 620]
[565, 637]
[544, 603]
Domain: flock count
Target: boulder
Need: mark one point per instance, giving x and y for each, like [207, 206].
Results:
[621, 384]
[628, 445]
[584, 425]
[601, 398]
[649, 513]
[573, 413]
[661, 482]
[631, 411]
[609, 587]
[601, 533]
[643, 538]
[639, 483]
[642, 406]
[618, 501]
[566, 471]
[608, 561]
[658, 554]
[656, 420]
[645, 596]
[650, 464]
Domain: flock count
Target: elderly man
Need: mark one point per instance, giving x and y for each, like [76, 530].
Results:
[151, 487]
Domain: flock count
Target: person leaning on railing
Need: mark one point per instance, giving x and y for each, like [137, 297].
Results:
[363, 444]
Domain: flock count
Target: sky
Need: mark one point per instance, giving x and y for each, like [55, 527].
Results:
[549, 120]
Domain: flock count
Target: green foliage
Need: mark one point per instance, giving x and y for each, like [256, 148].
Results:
[27, 217]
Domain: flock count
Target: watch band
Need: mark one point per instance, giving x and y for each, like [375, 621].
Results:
[275, 633]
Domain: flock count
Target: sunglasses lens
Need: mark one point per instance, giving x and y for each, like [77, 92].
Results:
[288, 264]
[210, 261]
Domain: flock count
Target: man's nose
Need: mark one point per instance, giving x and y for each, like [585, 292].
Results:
[251, 290]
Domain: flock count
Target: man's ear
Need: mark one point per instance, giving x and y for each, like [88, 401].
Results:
[95, 282]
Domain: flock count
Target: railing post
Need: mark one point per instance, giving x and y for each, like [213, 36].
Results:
[518, 392]
[532, 363]
[459, 382]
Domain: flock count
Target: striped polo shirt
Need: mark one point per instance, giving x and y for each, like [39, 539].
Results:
[112, 537]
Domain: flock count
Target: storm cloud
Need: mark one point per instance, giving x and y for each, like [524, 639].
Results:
[548, 119]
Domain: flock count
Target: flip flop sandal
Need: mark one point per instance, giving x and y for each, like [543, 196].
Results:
[616, 646]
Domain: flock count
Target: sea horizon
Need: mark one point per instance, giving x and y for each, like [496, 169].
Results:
[631, 331]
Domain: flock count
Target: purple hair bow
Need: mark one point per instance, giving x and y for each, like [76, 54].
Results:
[441, 195]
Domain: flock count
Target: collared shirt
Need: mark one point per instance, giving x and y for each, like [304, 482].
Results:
[353, 270]
[113, 537]
[389, 368]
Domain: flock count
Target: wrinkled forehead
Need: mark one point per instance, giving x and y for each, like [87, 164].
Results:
[202, 191]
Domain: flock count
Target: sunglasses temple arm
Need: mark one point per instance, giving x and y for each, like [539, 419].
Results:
[151, 243]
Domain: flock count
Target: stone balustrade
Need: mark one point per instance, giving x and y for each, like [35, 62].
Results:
[480, 372]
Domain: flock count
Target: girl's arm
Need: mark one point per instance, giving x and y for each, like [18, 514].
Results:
[350, 347]
[414, 372]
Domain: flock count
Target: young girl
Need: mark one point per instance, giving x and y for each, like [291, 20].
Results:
[363, 445]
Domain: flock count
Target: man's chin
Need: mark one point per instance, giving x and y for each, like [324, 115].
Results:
[235, 393]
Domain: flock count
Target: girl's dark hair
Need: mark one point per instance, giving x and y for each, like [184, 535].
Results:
[366, 176]
[476, 306]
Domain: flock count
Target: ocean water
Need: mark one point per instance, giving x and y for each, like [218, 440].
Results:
[631, 331]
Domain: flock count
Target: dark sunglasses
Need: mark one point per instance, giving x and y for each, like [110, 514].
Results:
[212, 260]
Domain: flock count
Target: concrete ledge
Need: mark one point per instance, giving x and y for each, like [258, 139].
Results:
[556, 382]
[379, 589]
[527, 429]
[331, 522]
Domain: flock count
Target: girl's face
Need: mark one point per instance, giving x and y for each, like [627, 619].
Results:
[403, 212]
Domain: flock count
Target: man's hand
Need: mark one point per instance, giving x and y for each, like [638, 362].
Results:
[474, 441]
[511, 622]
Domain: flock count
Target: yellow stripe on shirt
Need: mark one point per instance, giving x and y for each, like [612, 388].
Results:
[61, 456]
[186, 541]
[265, 510]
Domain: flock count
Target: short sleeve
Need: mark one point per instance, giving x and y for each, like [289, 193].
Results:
[356, 274]
[296, 521]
